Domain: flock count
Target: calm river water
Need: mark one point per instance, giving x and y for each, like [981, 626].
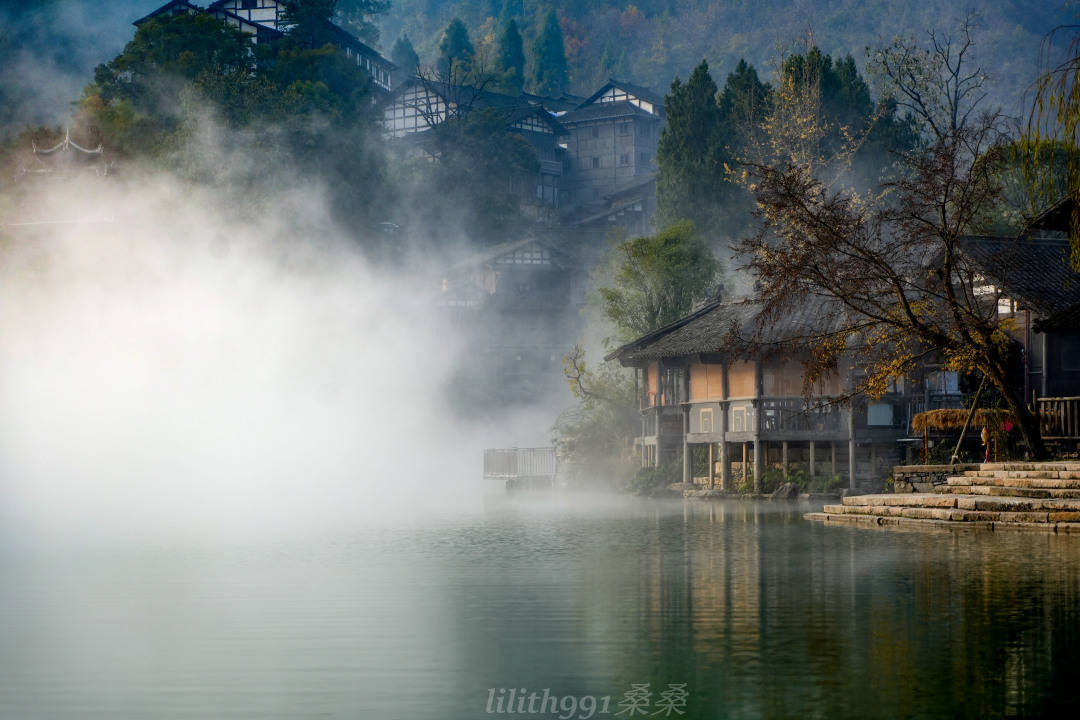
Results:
[743, 610]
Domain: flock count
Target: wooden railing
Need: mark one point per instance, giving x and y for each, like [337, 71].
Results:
[793, 413]
[1059, 418]
[519, 462]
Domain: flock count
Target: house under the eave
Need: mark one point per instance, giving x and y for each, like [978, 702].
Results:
[611, 149]
[721, 383]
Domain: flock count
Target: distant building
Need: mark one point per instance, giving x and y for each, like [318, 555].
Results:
[419, 104]
[263, 20]
[519, 304]
[611, 148]
[597, 154]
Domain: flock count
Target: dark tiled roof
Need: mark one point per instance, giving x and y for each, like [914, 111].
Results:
[1033, 271]
[490, 254]
[1055, 217]
[731, 326]
[516, 107]
[169, 7]
[1067, 319]
[522, 112]
[479, 98]
[562, 103]
[637, 90]
[343, 37]
[622, 197]
[603, 111]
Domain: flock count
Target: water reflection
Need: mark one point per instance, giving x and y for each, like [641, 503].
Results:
[760, 613]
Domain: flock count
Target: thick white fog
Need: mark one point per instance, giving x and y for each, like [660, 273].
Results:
[170, 366]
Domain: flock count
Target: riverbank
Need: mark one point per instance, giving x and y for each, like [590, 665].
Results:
[1043, 497]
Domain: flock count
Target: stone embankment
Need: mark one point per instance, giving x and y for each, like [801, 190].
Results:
[996, 496]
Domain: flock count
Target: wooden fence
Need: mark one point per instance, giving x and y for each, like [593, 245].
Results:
[1059, 417]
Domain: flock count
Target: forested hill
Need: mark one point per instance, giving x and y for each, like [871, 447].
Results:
[652, 41]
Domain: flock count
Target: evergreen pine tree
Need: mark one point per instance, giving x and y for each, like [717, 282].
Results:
[550, 70]
[743, 102]
[404, 56]
[308, 20]
[512, 58]
[690, 154]
[455, 49]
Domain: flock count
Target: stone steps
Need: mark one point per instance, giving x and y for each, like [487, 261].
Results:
[996, 496]
[1008, 491]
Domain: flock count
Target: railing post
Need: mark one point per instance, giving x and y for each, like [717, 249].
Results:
[967, 422]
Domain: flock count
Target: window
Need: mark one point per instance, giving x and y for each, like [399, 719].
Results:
[943, 382]
[706, 420]
[879, 415]
[531, 255]
[738, 419]
[249, 4]
[624, 159]
[596, 162]
[624, 128]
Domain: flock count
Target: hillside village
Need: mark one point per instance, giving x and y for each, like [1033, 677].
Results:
[715, 393]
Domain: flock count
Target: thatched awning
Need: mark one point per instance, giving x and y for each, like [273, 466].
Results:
[954, 419]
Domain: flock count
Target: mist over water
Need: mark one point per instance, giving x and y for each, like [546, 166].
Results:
[176, 364]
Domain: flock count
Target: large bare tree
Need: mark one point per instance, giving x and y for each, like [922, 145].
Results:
[893, 263]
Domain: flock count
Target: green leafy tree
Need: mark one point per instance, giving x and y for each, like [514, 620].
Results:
[511, 58]
[691, 153]
[841, 96]
[309, 106]
[468, 177]
[658, 278]
[309, 20]
[594, 438]
[455, 50]
[743, 102]
[404, 56]
[133, 105]
[358, 16]
[550, 69]
[648, 283]
[1052, 138]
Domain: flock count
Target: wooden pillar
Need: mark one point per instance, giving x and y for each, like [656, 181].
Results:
[832, 449]
[784, 458]
[758, 448]
[757, 426]
[712, 467]
[745, 463]
[813, 470]
[1045, 367]
[687, 465]
[851, 447]
[725, 461]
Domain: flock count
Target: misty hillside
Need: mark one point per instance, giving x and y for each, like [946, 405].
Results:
[48, 48]
[652, 41]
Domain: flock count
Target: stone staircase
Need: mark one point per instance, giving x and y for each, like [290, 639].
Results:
[998, 496]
